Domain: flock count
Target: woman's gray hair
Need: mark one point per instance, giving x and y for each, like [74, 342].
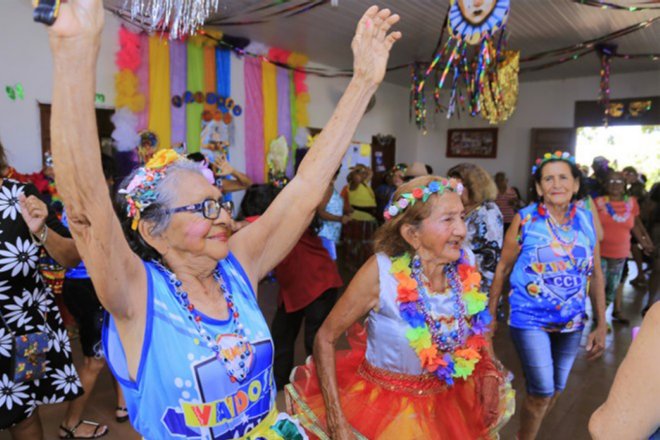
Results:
[156, 214]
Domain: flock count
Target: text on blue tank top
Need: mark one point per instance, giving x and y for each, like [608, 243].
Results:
[182, 390]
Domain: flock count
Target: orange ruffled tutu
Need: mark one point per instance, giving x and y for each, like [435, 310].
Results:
[380, 404]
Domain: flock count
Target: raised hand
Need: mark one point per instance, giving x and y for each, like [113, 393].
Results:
[371, 44]
[78, 19]
[34, 212]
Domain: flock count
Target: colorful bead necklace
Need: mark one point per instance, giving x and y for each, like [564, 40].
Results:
[446, 355]
[235, 352]
[619, 218]
[562, 247]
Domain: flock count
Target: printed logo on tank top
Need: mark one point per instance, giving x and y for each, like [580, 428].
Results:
[561, 277]
[228, 409]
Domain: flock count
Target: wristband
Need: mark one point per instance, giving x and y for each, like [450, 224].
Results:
[43, 236]
[46, 11]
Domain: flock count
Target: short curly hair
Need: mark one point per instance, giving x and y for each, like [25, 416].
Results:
[480, 185]
[388, 238]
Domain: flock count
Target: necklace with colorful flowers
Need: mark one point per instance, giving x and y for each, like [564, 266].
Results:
[234, 351]
[619, 218]
[447, 355]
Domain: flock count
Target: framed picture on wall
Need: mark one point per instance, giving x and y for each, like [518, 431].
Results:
[472, 142]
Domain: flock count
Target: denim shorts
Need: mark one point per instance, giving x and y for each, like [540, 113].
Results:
[546, 358]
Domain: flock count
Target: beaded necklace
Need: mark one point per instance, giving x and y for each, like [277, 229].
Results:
[452, 354]
[455, 337]
[619, 218]
[234, 351]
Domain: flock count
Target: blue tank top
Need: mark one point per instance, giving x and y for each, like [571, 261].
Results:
[549, 284]
[335, 206]
[181, 389]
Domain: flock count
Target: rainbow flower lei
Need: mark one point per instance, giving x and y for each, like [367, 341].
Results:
[421, 193]
[447, 356]
[557, 155]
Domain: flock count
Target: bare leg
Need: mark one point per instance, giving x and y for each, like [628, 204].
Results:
[28, 429]
[640, 279]
[88, 373]
[121, 402]
[533, 411]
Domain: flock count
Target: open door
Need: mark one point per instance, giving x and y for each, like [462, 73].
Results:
[548, 140]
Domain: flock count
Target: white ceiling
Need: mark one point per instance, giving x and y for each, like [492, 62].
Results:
[324, 33]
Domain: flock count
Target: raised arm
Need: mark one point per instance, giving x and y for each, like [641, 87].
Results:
[264, 243]
[118, 275]
[360, 297]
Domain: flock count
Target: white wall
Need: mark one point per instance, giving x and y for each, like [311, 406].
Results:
[25, 59]
[388, 116]
[543, 104]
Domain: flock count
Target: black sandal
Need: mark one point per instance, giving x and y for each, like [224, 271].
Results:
[121, 419]
[71, 432]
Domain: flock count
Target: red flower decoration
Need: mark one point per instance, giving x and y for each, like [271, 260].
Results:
[476, 342]
[407, 295]
[418, 193]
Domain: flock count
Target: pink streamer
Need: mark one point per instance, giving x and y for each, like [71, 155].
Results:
[254, 120]
[143, 76]
[299, 82]
[278, 55]
[129, 55]
[178, 81]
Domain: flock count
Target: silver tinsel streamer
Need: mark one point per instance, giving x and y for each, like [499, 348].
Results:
[178, 17]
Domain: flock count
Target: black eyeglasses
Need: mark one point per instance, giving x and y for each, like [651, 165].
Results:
[210, 208]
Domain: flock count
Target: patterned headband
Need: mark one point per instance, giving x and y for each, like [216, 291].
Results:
[141, 190]
[557, 155]
[421, 193]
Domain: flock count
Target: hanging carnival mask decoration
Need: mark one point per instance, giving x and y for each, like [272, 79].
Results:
[470, 54]
[500, 96]
[148, 146]
[278, 155]
[178, 17]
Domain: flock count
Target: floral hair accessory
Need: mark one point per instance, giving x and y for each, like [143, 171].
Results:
[557, 155]
[141, 190]
[421, 193]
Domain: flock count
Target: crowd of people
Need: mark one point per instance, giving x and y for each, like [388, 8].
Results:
[167, 293]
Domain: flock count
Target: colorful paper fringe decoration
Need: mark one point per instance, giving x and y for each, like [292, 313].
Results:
[168, 87]
[129, 100]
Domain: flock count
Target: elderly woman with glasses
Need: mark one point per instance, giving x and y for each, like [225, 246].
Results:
[619, 215]
[186, 339]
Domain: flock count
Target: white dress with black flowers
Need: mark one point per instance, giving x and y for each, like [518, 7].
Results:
[485, 236]
[28, 306]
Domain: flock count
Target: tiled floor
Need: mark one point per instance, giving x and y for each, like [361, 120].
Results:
[587, 387]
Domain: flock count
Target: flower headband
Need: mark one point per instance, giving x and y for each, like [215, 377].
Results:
[421, 193]
[141, 190]
[557, 155]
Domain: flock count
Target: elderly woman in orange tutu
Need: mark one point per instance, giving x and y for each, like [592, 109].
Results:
[426, 369]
